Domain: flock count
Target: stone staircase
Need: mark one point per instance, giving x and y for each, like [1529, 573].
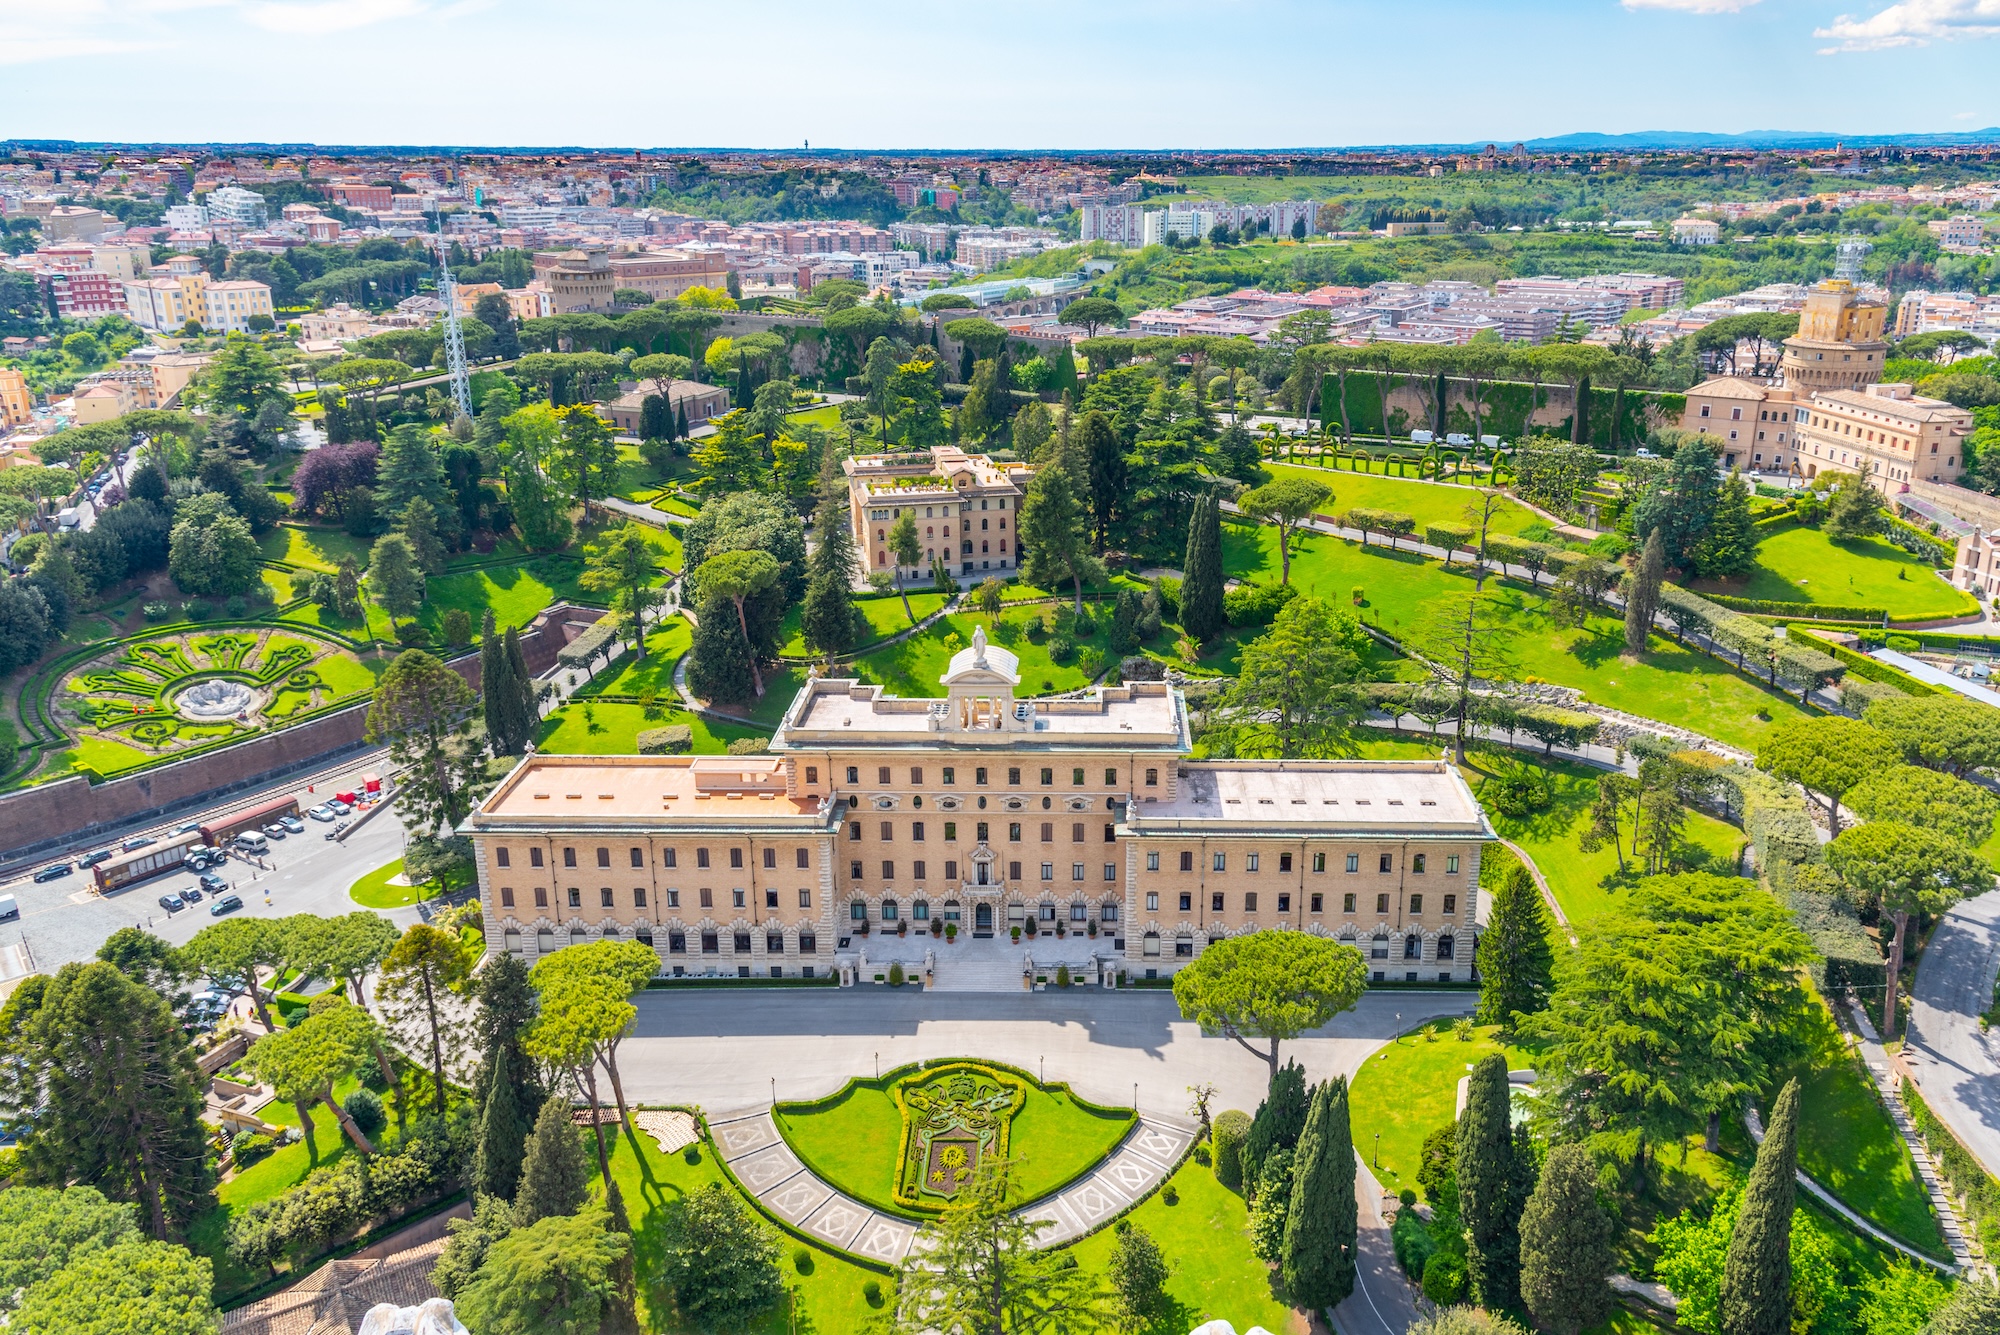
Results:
[981, 972]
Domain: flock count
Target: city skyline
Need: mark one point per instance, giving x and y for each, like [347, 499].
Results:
[1469, 73]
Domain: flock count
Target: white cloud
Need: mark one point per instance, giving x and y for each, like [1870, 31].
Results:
[28, 48]
[1692, 6]
[1913, 23]
[329, 16]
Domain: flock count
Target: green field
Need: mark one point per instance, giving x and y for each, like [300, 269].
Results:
[373, 891]
[1409, 1090]
[1672, 684]
[1425, 502]
[312, 547]
[854, 1140]
[1796, 564]
[592, 728]
[885, 618]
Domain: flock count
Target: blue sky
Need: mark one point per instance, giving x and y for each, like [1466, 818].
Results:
[1030, 73]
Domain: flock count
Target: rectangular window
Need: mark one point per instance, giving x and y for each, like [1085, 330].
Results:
[812, 773]
[1013, 832]
[1076, 777]
[1451, 864]
[951, 831]
[1417, 865]
[736, 859]
[1076, 871]
[736, 900]
[1187, 902]
[1387, 863]
[1048, 871]
[916, 776]
[1347, 903]
[506, 896]
[1284, 862]
[1013, 871]
[979, 775]
[671, 859]
[1354, 862]
[1110, 833]
[1250, 861]
[917, 831]
[950, 775]
[854, 871]
[1450, 904]
[1110, 871]
[981, 830]
[638, 857]
[604, 898]
[854, 774]
[673, 899]
[701, 858]
[575, 898]
[917, 869]
[771, 859]
[1152, 778]
[1152, 862]
[500, 858]
[603, 857]
[1187, 862]
[1381, 903]
[1076, 832]
[1316, 903]
[1416, 905]
[805, 859]
[541, 897]
[1152, 901]
[888, 870]
[569, 857]
[882, 775]
[888, 832]
[951, 869]
[1215, 902]
[1221, 862]
[1110, 778]
[534, 857]
[1048, 777]
[770, 899]
[1048, 832]
[805, 899]
[707, 897]
[1319, 862]
[1014, 776]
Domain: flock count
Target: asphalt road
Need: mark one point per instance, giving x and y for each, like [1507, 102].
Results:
[1957, 1065]
[67, 920]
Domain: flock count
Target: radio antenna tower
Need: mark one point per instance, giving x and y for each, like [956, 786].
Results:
[454, 341]
[1850, 254]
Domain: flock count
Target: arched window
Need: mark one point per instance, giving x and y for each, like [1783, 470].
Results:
[1447, 947]
[858, 910]
[888, 910]
[1413, 947]
[545, 942]
[510, 941]
[1149, 944]
[1108, 912]
[920, 909]
[1079, 912]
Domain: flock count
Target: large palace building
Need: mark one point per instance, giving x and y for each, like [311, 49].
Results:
[1078, 819]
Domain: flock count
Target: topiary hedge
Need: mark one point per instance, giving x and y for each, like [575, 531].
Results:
[674, 740]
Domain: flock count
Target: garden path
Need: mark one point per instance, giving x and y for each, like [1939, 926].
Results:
[760, 1159]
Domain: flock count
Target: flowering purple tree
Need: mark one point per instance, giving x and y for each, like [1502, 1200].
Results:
[326, 475]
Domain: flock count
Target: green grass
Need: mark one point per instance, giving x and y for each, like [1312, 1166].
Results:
[373, 891]
[610, 729]
[664, 647]
[1409, 1090]
[854, 1140]
[1211, 1271]
[913, 667]
[1425, 502]
[1848, 1144]
[345, 674]
[515, 595]
[1796, 564]
[1590, 885]
[885, 618]
[312, 547]
[1671, 684]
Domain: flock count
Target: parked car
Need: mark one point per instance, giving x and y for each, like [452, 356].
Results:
[172, 903]
[338, 807]
[53, 872]
[292, 824]
[322, 812]
[276, 830]
[188, 828]
[213, 884]
[227, 904]
[89, 860]
[137, 842]
[191, 895]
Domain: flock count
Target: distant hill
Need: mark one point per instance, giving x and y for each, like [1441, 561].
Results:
[1591, 142]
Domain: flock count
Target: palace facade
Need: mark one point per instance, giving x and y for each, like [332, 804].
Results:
[1082, 816]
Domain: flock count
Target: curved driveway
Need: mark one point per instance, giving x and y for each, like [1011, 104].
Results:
[1957, 1066]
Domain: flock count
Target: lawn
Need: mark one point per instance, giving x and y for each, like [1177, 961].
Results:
[1410, 1089]
[1425, 502]
[1672, 684]
[1848, 1144]
[313, 548]
[854, 1139]
[1589, 885]
[588, 728]
[1211, 1272]
[1796, 564]
[664, 647]
[515, 595]
[373, 891]
[885, 618]
[101, 754]
[913, 667]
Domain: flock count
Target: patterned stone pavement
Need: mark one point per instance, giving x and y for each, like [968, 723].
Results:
[750, 1144]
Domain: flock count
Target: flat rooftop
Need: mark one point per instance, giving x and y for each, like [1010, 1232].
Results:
[583, 790]
[838, 712]
[1395, 797]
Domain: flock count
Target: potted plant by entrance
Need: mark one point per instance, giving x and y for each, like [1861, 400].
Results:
[1061, 931]
[903, 927]
[861, 927]
[1015, 931]
[1031, 929]
[950, 932]
[1090, 929]
[937, 927]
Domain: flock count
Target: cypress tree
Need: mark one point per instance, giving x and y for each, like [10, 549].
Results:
[1566, 1251]
[1486, 1187]
[681, 423]
[555, 1173]
[1516, 962]
[506, 1084]
[1280, 1119]
[523, 716]
[828, 617]
[1642, 593]
[503, 1129]
[1201, 583]
[1321, 1232]
[495, 693]
[719, 667]
[1756, 1296]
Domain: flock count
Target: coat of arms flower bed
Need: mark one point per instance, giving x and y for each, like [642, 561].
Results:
[955, 1117]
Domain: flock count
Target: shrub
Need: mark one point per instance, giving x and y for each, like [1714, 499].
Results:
[1519, 794]
[691, 1155]
[249, 1147]
[457, 626]
[674, 740]
[365, 1107]
[750, 746]
[237, 607]
[412, 635]
[1062, 975]
[1083, 626]
[1226, 1137]
[1902, 644]
[157, 611]
[1170, 1194]
[1444, 1279]
[872, 1291]
[802, 1260]
[194, 610]
[895, 975]
[1412, 1242]
[1062, 649]
[1256, 604]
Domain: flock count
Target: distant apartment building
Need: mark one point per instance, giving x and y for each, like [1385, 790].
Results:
[186, 218]
[85, 294]
[355, 195]
[69, 222]
[244, 208]
[165, 304]
[1921, 312]
[1419, 228]
[1696, 232]
[665, 275]
[16, 406]
[1964, 231]
[1886, 433]
[1134, 225]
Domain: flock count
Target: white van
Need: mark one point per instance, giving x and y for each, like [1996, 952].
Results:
[252, 842]
[10, 908]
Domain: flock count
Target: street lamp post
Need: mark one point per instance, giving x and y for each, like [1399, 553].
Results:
[1378, 1149]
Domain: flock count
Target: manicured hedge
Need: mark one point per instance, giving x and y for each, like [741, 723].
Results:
[1861, 665]
[1808, 611]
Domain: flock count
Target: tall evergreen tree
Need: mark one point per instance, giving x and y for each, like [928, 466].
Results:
[409, 467]
[1486, 1187]
[719, 665]
[1730, 546]
[1102, 486]
[1054, 543]
[1642, 593]
[1321, 1232]
[828, 617]
[555, 1172]
[1201, 575]
[1756, 1294]
[1516, 961]
[1566, 1252]
[524, 713]
[506, 1081]
[1280, 1119]
[496, 694]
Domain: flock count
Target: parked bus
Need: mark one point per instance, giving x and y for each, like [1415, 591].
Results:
[156, 860]
[221, 830]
